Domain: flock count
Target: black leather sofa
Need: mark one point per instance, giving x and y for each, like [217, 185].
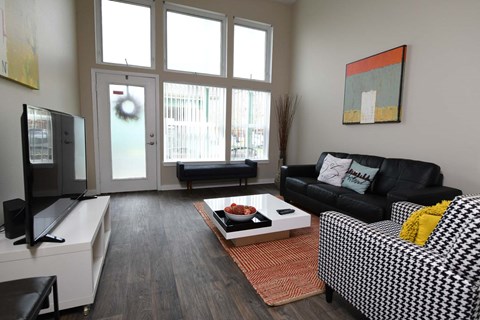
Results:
[397, 180]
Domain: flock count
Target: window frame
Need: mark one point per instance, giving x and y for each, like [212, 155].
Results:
[268, 45]
[197, 13]
[99, 33]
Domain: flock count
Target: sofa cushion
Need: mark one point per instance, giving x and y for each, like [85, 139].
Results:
[387, 226]
[426, 224]
[404, 174]
[299, 184]
[411, 225]
[326, 193]
[367, 207]
[358, 177]
[366, 160]
[333, 170]
[319, 164]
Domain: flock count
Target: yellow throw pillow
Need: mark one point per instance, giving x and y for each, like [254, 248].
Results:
[410, 226]
[427, 223]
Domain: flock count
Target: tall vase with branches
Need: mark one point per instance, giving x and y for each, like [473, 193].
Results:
[285, 108]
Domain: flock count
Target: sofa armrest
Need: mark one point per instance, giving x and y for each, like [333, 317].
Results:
[360, 262]
[297, 170]
[427, 196]
[402, 210]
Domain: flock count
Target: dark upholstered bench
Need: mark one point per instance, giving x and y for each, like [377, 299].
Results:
[24, 298]
[195, 172]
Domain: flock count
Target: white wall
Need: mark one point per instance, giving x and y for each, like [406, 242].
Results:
[441, 99]
[56, 39]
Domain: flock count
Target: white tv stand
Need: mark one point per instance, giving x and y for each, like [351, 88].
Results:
[77, 262]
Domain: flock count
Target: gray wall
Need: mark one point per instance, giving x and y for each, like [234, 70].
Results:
[57, 54]
[441, 90]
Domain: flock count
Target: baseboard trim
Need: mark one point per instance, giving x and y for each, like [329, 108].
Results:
[203, 185]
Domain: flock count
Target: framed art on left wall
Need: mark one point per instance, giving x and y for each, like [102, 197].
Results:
[373, 88]
[18, 42]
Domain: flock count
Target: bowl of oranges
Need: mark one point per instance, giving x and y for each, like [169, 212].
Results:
[240, 212]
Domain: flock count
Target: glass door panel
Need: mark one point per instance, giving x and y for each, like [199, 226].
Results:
[127, 132]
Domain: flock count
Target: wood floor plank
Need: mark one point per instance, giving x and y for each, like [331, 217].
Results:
[165, 263]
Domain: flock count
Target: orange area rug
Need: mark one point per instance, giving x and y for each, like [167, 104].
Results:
[281, 271]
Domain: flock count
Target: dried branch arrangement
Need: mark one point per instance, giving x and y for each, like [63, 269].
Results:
[285, 107]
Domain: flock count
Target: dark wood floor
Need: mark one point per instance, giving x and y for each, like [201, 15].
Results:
[164, 262]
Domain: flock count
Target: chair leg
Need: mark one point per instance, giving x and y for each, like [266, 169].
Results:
[328, 293]
[56, 313]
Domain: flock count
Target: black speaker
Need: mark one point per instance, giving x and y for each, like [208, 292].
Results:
[14, 214]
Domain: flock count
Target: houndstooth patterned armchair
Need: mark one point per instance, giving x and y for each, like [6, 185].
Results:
[385, 277]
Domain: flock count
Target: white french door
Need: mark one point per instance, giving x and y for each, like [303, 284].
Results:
[127, 134]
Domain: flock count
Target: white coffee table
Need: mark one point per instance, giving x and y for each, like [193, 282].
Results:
[267, 205]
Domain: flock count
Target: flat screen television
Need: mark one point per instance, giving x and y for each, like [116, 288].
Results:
[54, 168]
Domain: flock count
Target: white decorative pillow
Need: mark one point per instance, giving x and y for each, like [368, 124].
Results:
[333, 170]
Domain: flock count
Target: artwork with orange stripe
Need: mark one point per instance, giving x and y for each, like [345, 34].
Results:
[373, 88]
[377, 61]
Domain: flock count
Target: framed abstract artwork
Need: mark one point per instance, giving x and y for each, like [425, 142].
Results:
[373, 88]
[18, 43]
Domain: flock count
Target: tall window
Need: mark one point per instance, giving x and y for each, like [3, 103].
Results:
[250, 124]
[194, 123]
[252, 50]
[125, 32]
[195, 40]
[194, 115]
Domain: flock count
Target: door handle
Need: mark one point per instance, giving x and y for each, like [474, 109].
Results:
[151, 143]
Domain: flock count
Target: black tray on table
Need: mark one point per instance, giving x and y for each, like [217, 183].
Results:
[258, 221]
